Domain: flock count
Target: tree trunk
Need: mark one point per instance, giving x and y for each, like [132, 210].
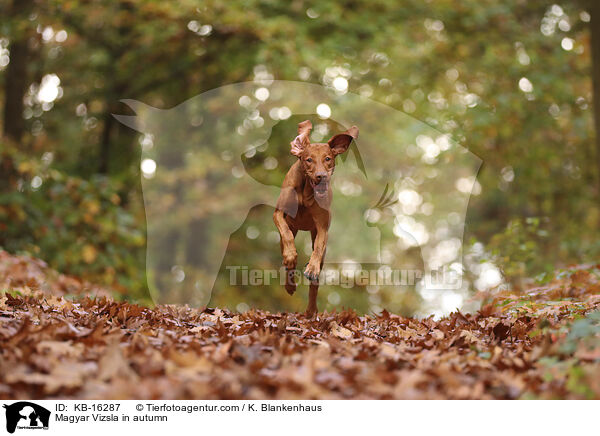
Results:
[16, 81]
[104, 158]
[595, 37]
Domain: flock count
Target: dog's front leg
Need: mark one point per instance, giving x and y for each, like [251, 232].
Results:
[313, 269]
[288, 249]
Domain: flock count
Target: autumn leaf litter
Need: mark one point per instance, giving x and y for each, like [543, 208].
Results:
[519, 345]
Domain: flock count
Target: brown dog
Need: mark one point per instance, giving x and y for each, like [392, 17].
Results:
[304, 203]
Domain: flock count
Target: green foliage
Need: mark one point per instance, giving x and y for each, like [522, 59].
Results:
[579, 343]
[462, 68]
[583, 333]
[517, 249]
[77, 226]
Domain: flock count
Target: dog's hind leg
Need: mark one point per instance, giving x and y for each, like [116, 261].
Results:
[313, 289]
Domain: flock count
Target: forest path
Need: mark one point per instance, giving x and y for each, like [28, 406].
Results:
[542, 343]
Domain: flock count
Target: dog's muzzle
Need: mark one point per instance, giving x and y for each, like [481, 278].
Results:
[320, 188]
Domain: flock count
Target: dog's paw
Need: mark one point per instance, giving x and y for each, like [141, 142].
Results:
[312, 272]
[289, 259]
[290, 282]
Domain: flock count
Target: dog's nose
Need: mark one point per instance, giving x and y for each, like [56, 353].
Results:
[320, 176]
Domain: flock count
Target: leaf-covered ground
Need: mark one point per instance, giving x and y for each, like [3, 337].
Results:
[542, 343]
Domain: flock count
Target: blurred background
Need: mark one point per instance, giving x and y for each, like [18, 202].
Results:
[511, 81]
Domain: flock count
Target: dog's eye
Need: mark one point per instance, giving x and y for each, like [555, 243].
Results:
[327, 158]
[309, 160]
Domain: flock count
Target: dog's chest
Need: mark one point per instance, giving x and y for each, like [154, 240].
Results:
[303, 219]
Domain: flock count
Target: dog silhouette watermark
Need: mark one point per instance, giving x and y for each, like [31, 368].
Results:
[25, 415]
[401, 191]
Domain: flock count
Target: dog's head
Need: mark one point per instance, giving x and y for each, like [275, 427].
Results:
[318, 159]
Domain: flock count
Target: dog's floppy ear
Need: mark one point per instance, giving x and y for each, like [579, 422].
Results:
[304, 127]
[340, 142]
[301, 141]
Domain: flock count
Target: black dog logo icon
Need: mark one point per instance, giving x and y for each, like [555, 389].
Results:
[24, 414]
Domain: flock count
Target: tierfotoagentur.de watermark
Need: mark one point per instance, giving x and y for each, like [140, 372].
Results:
[242, 275]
